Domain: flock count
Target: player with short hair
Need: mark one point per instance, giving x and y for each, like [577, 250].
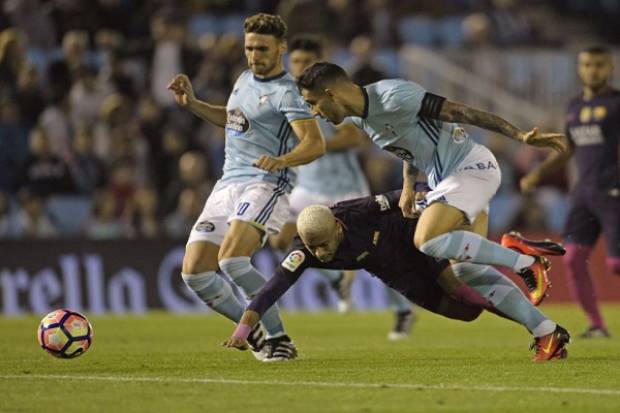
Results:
[592, 125]
[420, 128]
[334, 177]
[372, 234]
[268, 131]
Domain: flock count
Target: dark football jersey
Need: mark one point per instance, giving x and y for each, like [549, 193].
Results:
[593, 130]
[377, 238]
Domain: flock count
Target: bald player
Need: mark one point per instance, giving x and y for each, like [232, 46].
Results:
[593, 130]
[371, 233]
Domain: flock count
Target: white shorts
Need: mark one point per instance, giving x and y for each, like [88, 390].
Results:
[261, 204]
[471, 185]
[301, 198]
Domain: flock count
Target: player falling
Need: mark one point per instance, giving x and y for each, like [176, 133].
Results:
[593, 129]
[421, 128]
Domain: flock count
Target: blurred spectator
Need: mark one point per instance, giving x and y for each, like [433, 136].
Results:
[13, 145]
[56, 122]
[32, 221]
[145, 221]
[87, 96]
[104, 222]
[123, 187]
[174, 144]
[510, 24]
[170, 54]
[5, 219]
[179, 223]
[33, 17]
[87, 169]
[74, 48]
[364, 71]
[44, 173]
[30, 97]
[192, 174]
[12, 58]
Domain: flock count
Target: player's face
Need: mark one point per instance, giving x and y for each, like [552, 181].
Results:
[264, 53]
[324, 246]
[298, 60]
[325, 104]
[594, 69]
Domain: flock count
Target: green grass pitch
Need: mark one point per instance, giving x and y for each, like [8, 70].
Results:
[174, 363]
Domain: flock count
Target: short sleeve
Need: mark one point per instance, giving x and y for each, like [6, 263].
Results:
[294, 107]
[406, 95]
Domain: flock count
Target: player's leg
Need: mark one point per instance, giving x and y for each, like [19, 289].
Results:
[260, 208]
[282, 240]
[581, 231]
[200, 275]
[200, 264]
[403, 315]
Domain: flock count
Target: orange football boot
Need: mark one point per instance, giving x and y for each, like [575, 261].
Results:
[551, 346]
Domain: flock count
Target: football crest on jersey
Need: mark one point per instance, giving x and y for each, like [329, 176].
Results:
[599, 113]
[294, 260]
[236, 121]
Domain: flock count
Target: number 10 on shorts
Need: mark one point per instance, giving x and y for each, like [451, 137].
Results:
[242, 208]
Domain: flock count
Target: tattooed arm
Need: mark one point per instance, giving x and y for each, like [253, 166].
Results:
[437, 107]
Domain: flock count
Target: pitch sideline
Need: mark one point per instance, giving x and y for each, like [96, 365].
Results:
[410, 386]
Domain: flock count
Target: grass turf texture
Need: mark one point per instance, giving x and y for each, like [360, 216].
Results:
[171, 363]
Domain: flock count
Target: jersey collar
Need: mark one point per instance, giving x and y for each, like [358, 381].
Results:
[267, 79]
[366, 101]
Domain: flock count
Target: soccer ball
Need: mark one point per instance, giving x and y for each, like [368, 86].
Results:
[65, 334]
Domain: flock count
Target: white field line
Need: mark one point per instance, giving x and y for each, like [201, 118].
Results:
[410, 386]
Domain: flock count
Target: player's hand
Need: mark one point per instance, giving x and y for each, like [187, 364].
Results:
[182, 89]
[555, 141]
[269, 163]
[234, 342]
[407, 203]
[529, 182]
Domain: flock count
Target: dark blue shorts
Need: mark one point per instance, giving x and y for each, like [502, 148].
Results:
[592, 213]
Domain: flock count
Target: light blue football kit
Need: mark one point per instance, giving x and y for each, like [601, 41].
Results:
[453, 163]
[460, 172]
[259, 113]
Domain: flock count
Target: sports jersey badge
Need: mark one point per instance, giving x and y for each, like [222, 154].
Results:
[294, 260]
[459, 135]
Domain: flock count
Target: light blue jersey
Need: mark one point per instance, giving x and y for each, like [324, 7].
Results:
[334, 174]
[258, 115]
[391, 120]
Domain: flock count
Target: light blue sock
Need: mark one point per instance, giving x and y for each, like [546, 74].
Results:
[331, 275]
[505, 296]
[216, 293]
[241, 271]
[399, 302]
[471, 247]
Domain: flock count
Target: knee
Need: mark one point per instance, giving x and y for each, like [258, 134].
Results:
[613, 263]
[194, 263]
[235, 266]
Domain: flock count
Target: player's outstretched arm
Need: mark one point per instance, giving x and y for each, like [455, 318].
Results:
[460, 113]
[311, 146]
[239, 337]
[408, 194]
[183, 92]
[554, 161]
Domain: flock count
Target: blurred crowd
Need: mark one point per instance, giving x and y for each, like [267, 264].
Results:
[92, 144]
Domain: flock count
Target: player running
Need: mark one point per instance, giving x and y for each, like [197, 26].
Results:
[420, 128]
[592, 125]
[334, 177]
[372, 234]
[265, 118]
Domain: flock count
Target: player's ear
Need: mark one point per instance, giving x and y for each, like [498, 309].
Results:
[329, 92]
[283, 46]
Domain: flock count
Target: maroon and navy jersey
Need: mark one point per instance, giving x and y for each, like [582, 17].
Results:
[377, 238]
[593, 131]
